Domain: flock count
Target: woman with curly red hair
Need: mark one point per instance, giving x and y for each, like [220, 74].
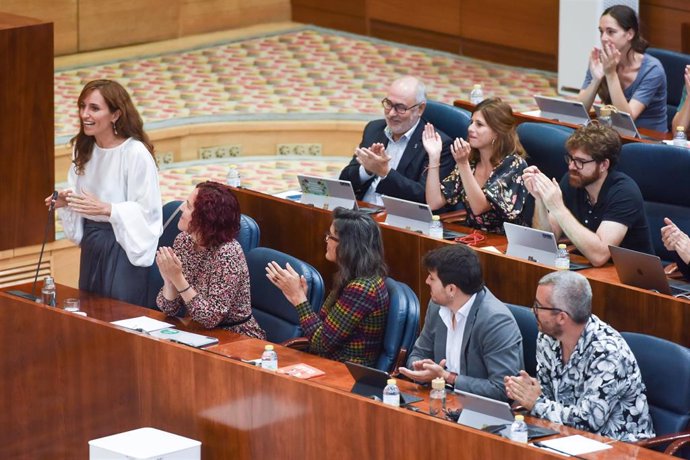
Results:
[205, 270]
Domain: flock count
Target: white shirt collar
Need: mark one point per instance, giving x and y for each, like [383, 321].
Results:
[405, 137]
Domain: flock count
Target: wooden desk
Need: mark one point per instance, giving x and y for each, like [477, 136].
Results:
[67, 379]
[655, 136]
[298, 230]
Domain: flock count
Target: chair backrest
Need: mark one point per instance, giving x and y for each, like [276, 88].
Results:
[401, 325]
[527, 324]
[452, 120]
[250, 233]
[674, 64]
[545, 146]
[155, 281]
[661, 173]
[665, 368]
[270, 307]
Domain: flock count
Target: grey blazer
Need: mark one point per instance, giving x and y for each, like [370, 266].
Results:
[491, 346]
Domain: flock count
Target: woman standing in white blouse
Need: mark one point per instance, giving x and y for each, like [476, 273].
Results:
[112, 207]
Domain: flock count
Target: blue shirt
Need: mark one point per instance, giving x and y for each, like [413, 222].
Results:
[682, 99]
[648, 88]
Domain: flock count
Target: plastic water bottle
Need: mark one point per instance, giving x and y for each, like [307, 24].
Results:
[269, 358]
[437, 397]
[233, 179]
[48, 292]
[391, 394]
[518, 430]
[436, 228]
[562, 258]
[476, 95]
[605, 117]
[680, 139]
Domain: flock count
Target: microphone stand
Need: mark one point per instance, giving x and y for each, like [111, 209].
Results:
[32, 296]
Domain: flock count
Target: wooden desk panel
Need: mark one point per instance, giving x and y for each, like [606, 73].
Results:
[511, 280]
[89, 379]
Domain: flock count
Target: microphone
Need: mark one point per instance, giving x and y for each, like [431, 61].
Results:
[32, 296]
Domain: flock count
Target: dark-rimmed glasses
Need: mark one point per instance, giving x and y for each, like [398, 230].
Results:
[400, 109]
[536, 306]
[579, 164]
[331, 237]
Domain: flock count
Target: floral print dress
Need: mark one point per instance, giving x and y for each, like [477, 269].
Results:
[504, 189]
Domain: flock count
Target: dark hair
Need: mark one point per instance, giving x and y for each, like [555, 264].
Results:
[626, 19]
[216, 215]
[129, 124]
[456, 264]
[499, 116]
[360, 249]
[598, 141]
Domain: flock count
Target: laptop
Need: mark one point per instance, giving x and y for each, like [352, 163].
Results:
[409, 215]
[326, 193]
[184, 337]
[531, 244]
[491, 415]
[622, 122]
[564, 110]
[645, 271]
[371, 382]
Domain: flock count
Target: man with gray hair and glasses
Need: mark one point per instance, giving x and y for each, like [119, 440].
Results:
[391, 159]
[587, 377]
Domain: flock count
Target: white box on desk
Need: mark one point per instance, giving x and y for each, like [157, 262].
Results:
[144, 444]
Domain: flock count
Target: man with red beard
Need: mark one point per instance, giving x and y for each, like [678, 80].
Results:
[594, 205]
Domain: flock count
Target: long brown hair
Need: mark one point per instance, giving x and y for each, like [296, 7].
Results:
[499, 116]
[128, 125]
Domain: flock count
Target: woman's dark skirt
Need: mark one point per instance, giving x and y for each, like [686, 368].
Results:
[105, 268]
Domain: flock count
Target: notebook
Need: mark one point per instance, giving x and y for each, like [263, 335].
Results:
[564, 110]
[409, 215]
[491, 415]
[645, 271]
[371, 382]
[326, 193]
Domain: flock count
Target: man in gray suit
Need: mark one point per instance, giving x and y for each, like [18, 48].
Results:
[469, 338]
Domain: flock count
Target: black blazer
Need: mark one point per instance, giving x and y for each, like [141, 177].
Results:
[408, 180]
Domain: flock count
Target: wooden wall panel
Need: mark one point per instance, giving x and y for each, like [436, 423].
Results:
[26, 129]
[200, 16]
[527, 25]
[62, 13]
[319, 17]
[123, 22]
[442, 17]
[662, 23]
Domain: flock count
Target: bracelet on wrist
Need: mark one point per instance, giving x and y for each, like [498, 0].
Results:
[433, 167]
[189, 286]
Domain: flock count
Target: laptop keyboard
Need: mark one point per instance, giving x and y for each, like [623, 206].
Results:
[678, 287]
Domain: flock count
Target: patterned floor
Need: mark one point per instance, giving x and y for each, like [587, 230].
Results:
[303, 73]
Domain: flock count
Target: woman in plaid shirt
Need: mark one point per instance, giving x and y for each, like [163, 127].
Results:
[351, 323]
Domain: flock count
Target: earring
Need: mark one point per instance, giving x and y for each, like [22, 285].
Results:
[114, 128]
[493, 141]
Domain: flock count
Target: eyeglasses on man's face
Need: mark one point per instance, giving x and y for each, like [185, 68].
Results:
[579, 163]
[400, 109]
[331, 237]
[537, 306]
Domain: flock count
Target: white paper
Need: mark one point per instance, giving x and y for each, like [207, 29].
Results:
[576, 445]
[142, 323]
